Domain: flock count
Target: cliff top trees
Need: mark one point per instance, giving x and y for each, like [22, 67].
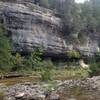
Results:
[44, 3]
[77, 18]
[91, 15]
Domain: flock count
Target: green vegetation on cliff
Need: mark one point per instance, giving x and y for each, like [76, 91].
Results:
[15, 62]
[5, 51]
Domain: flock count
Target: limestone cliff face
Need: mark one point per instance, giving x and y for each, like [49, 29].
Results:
[31, 26]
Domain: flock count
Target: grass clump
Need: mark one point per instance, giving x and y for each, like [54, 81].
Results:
[65, 74]
[46, 74]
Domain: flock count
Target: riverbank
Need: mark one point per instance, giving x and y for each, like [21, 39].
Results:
[61, 74]
[88, 89]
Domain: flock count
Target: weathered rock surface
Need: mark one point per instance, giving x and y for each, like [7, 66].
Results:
[31, 26]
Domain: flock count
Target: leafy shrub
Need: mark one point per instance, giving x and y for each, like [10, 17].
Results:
[17, 62]
[31, 62]
[73, 54]
[94, 69]
[48, 64]
[34, 60]
[81, 73]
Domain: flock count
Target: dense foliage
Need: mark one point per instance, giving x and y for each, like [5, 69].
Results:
[5, 51]
[94, 68]
[79, 19]
[16, 62]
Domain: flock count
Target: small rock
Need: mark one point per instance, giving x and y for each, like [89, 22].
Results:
[41, 97]
[54, 96]
[27, 83]
[19, 95]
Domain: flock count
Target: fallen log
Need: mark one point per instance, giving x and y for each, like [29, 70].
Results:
[13, 75]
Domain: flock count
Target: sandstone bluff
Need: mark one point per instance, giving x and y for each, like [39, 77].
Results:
[31, 26]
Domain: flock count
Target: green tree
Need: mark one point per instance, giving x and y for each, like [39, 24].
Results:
[34, 60]
[18, 62]
[91, 15]
[5, 51]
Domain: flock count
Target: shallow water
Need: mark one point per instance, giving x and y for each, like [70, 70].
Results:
[78, 93]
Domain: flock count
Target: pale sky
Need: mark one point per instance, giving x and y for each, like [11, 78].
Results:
[80, 1]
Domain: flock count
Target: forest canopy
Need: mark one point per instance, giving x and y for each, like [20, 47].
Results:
[77, 17]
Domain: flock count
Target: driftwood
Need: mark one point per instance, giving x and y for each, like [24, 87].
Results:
[82, 64]
[13, 75]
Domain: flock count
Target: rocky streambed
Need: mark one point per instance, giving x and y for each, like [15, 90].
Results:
[88, 89]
